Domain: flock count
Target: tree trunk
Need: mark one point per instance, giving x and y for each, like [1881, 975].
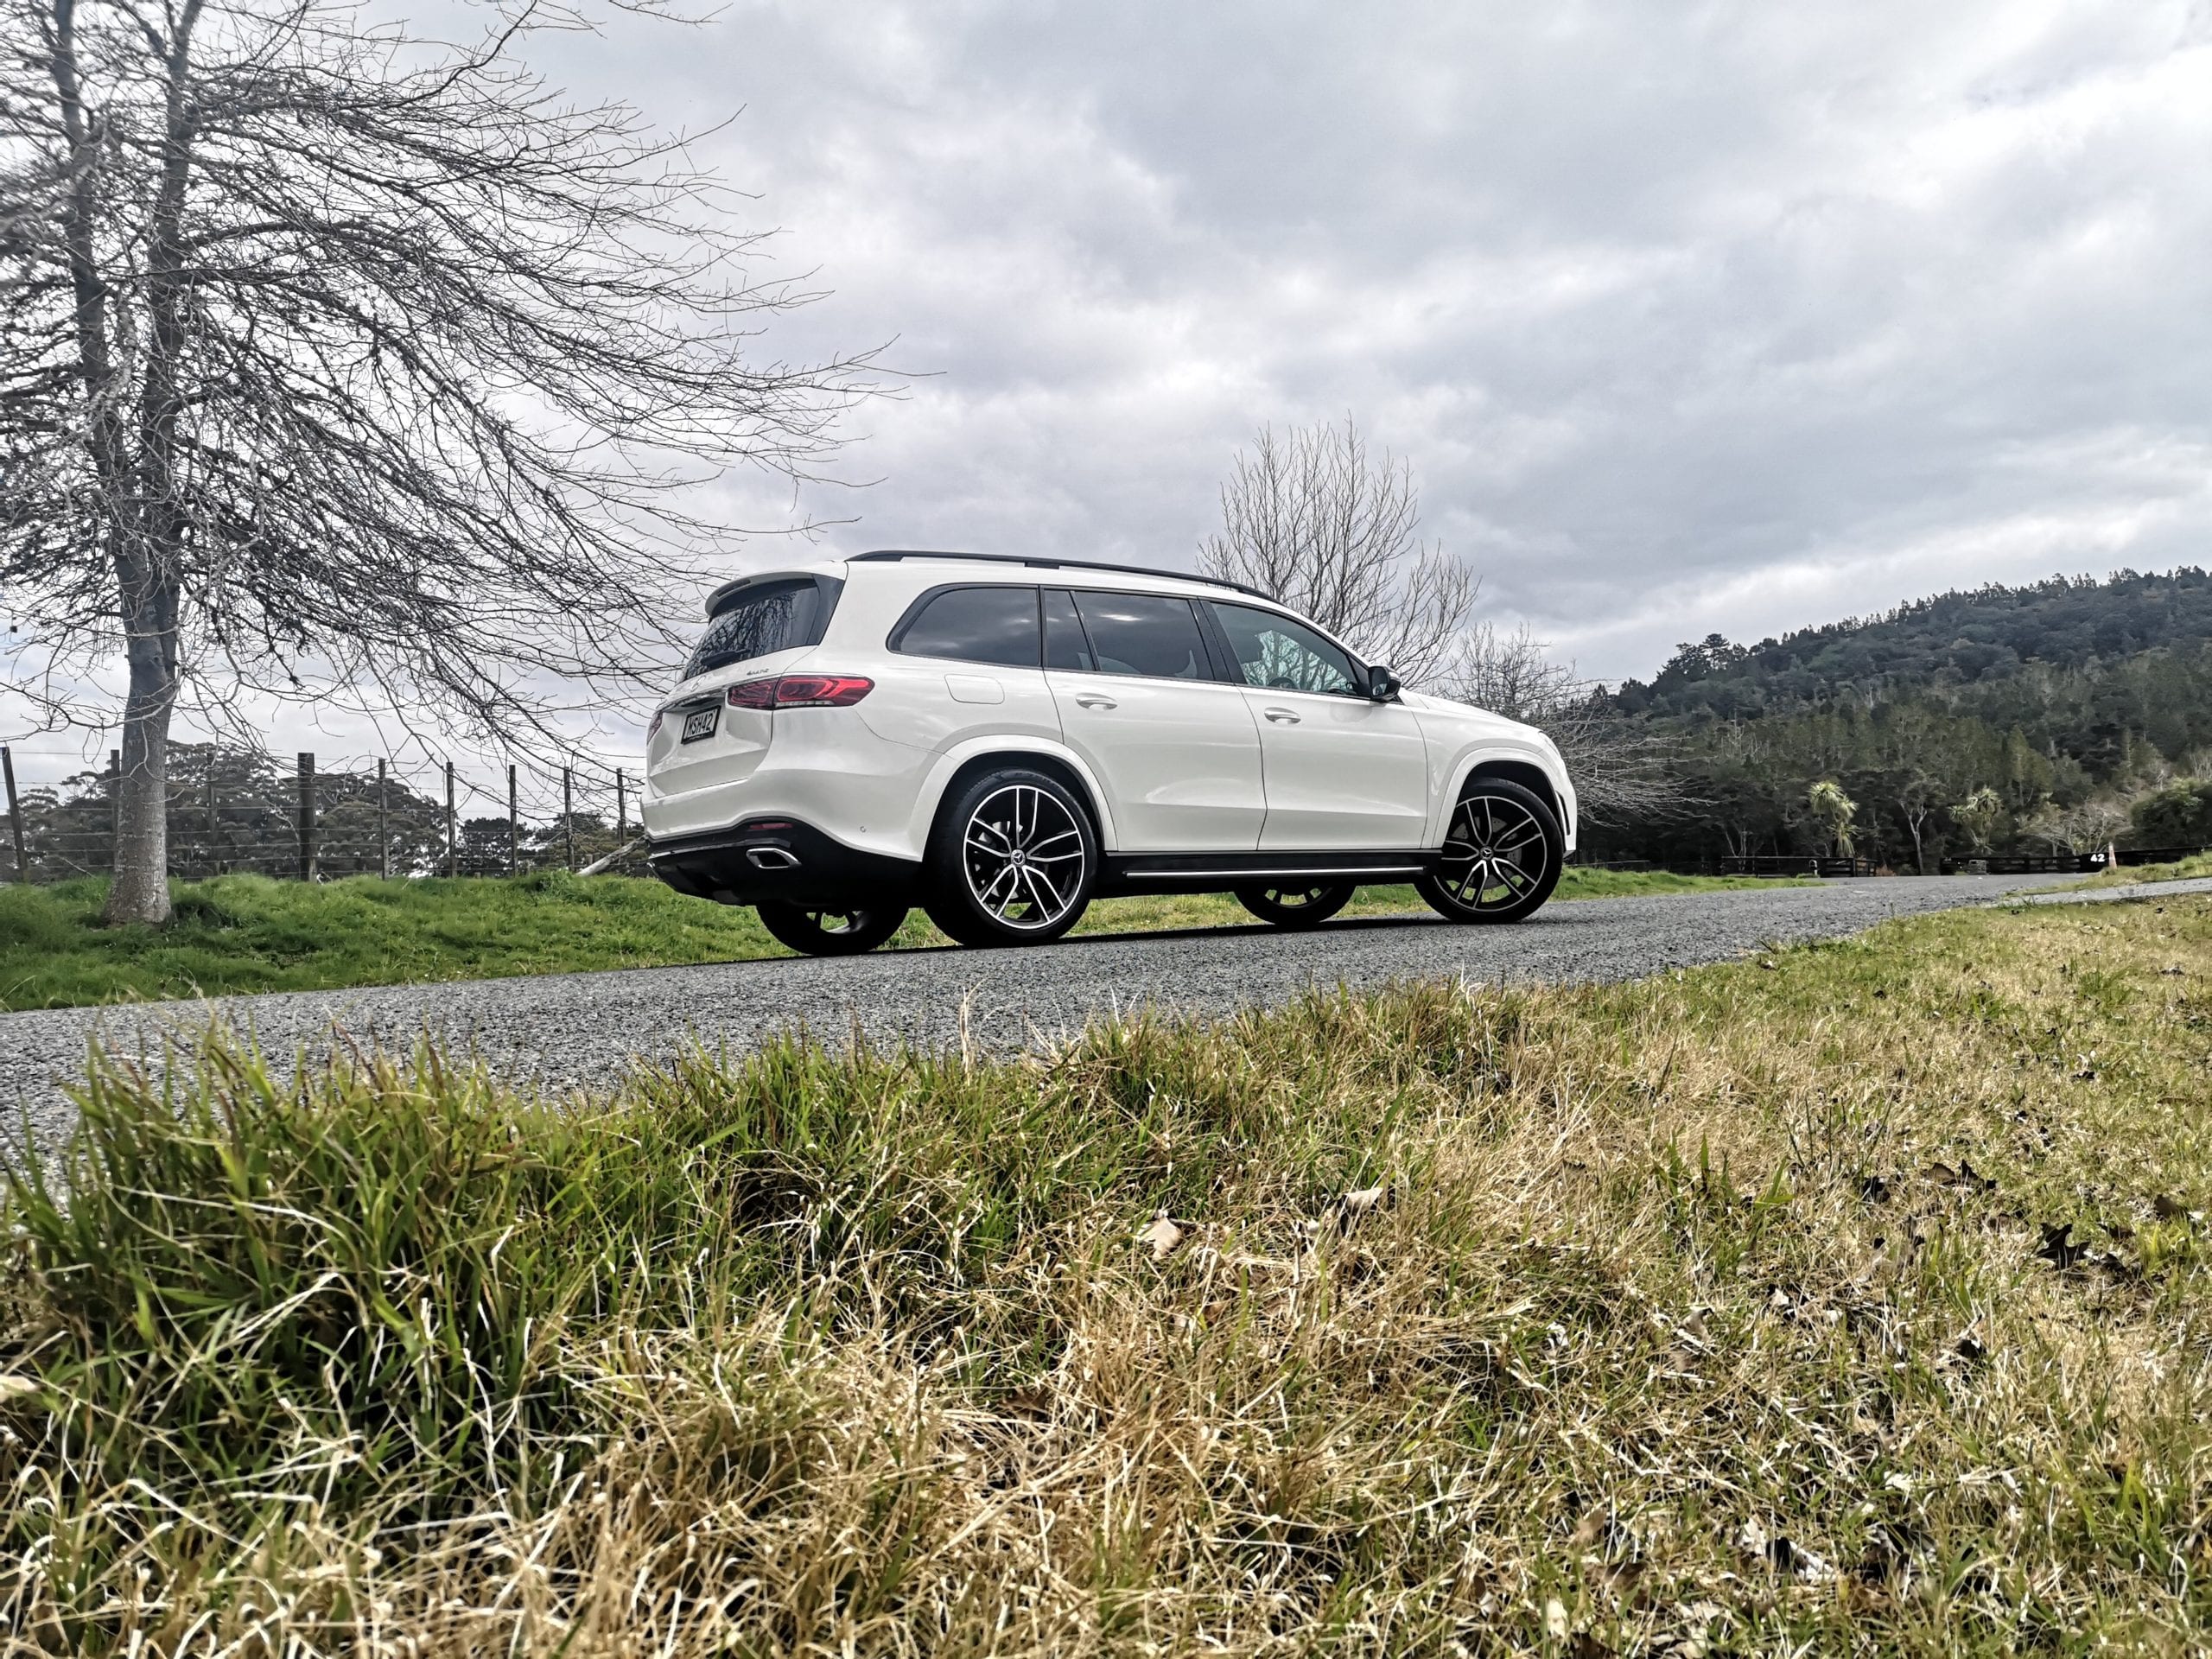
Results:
[147, 558]
[141, 893]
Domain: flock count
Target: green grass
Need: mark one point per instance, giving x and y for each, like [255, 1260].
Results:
[1854, 1298]
[2129, 874]
[245, 933]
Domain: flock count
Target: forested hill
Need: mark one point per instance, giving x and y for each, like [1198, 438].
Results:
[1954, 639]
[2062, 715]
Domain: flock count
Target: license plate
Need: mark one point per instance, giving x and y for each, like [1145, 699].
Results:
[699, 723]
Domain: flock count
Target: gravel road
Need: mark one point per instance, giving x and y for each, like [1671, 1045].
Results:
[585, 1028]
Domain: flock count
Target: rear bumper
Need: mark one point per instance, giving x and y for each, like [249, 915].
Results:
[779, 861]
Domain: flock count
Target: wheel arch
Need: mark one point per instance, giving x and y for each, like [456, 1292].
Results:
[1513, 769]
[971, 761]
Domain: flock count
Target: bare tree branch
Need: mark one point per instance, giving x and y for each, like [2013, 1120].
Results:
[332, 357]
[1313, 520]
[1621, 768]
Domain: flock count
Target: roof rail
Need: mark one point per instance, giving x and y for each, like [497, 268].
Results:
[891, 554]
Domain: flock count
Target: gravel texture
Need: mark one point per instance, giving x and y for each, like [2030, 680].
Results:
[583, 1029]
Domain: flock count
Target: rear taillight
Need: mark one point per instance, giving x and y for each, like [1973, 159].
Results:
[653, 726]
[800, 691]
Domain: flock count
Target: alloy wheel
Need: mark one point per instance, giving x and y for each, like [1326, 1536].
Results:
[824, 933]
[1307, 905]
[1022, 856]
[1494, 854]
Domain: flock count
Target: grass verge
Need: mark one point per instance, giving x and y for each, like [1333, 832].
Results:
[245, 933]
[2129, 874]
[1855, 1297]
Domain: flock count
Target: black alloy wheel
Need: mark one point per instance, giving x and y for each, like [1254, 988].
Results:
[1293, 906]
[830, 932]
[1014, 860]
[1502, 853]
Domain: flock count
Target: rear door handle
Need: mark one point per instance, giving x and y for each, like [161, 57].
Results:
[1095, 700]
[1282, 716]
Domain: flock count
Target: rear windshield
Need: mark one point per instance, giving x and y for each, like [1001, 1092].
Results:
[774, 616]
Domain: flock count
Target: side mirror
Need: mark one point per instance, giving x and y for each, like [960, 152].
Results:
[1382, 685]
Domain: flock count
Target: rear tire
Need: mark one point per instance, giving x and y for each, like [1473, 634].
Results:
[1013, 861]
[830, 932]
[1296, 907]
[1502, 853]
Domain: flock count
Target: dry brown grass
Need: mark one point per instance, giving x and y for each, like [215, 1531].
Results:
[1716, 1311]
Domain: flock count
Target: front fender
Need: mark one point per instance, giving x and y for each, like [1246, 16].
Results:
[1518, 752]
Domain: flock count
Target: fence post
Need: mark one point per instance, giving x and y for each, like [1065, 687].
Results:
[14, 812]
[568, 822]
[307, 815]
[214, 818]
[621, 811]
[384, 825]
[114, 805]
[452, 847]
[512, 863]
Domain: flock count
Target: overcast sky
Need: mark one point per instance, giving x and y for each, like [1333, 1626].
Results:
[1688, 317]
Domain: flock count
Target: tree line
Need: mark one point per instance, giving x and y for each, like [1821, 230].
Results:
[2059, 716]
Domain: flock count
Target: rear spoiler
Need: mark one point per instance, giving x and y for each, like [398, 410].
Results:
[722, 595]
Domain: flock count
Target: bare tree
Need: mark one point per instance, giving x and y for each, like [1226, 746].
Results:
[2080, 827]
[1621, 768]
[1314, 520]
[333, 359]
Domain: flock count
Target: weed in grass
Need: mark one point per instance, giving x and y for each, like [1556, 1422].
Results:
[1713, 1310]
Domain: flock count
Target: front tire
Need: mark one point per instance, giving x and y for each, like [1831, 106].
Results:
[830, 932]
[1014, 860]
[1295, 907]
[1502, 853]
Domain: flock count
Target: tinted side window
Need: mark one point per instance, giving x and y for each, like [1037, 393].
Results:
[775, 616]
[975, 625]
[1064, 646]
[1152, 634]
[1280, 655]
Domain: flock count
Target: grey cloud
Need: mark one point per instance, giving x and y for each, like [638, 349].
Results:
[1728, 316]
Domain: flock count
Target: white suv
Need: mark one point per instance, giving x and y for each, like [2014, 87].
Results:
[1003, 739]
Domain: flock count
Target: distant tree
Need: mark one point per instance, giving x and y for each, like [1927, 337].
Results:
[1978, 815]
[335, 358]
[2081, 828]
[1315, 520]
[2179, 814]
[1831, 812]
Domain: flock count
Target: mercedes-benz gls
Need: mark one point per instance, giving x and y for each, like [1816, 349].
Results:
[1001, 740]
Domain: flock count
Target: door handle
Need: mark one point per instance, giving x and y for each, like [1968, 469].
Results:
[1095, 700]
[1282, 716]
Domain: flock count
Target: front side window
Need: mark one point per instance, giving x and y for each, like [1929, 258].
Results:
[774, 616]
[1277, 654]
[975, 625]
[1152, 634]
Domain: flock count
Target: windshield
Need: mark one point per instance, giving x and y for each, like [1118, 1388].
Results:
[773, 616]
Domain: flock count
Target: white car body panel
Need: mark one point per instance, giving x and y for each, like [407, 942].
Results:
[1342, 773]
[1175, 766]
[1179, 758]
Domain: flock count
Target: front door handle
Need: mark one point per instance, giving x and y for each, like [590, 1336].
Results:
[1095, 700]
[1282, 716]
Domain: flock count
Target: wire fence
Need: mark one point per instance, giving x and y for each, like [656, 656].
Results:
[234, 812]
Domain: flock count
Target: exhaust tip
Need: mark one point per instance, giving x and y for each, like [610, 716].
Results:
[770, 858]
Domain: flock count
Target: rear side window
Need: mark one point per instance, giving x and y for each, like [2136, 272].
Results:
[774, 616]
[975, 624]
[1152, 634]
